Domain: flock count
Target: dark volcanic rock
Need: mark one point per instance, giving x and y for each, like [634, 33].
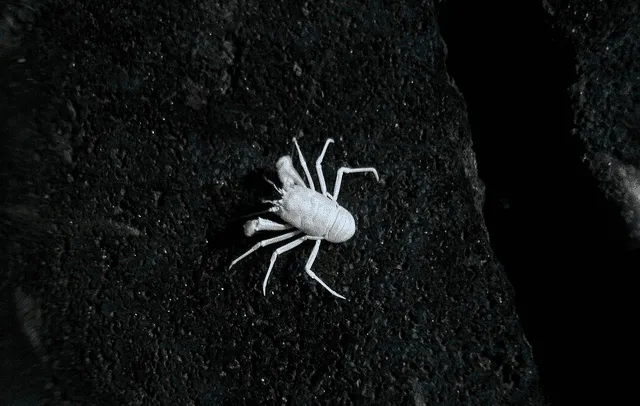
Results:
[552, 93]
[136, 135]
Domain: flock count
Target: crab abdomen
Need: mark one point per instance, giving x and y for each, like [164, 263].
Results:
[316, 215]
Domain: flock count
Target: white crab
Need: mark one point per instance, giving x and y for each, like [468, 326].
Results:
[316, 215]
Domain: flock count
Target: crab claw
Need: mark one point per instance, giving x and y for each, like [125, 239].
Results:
[250, 227]
[287, 173]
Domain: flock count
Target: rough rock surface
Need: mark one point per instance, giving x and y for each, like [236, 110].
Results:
[552, 90]
[135, 135]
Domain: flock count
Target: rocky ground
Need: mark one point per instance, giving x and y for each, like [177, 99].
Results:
[135, 137]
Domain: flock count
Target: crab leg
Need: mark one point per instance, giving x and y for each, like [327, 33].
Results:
[282, 250]
[323, 184]
[312, 274]
[303, 163]
[342, 171]
[264, 243]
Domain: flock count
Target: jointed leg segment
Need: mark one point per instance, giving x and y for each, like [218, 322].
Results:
[264, 243]
[281, 250]
[274, 256]
[287, 247]
[303, 163]
[307, 267]
[323, 184]
[342, 171]
[312, 274]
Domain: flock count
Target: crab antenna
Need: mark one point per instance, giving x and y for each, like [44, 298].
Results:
[269, 210]
[273, 184]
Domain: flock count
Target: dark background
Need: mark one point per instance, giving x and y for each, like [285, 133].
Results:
[559, 238]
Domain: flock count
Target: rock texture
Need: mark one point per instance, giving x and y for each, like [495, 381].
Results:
[552, 94]
[135, 136]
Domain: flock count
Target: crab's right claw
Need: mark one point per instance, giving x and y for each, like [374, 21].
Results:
[287, 173]
[250, 227]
